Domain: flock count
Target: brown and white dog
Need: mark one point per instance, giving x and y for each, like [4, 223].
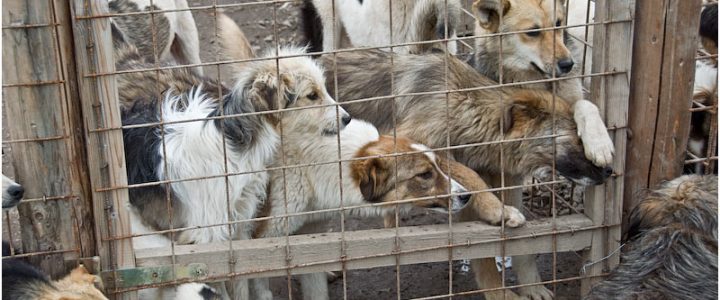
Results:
[380, 178]
[525, 118]
[176, 35]
[368, 23]
[23, 281]
[540, 53]
[240, 138]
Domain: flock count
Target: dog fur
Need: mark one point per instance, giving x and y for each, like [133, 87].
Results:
[538, 55]
[147, 240]
[367, 23]
[12, 192]
[709, 27]
[176, 35]
[477, 116]
[705, 93]
[22, 281]
[198, 148]
[372, 180]
[671, 245]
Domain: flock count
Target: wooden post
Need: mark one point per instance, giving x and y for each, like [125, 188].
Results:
[663, 73]
[610, 93]
[106, 156]
[38, 58]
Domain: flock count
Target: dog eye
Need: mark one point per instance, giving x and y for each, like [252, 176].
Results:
[533, 33]
[312, 96]
[426, 175]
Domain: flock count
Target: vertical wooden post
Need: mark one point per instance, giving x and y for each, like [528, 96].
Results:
[662, 79]
[36, 58]
[106, 156]
[610, 93]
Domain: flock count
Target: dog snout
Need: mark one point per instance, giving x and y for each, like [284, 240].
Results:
[346, 119]
[464, 199]
[565, 65]
[607, 171]
[16, 191]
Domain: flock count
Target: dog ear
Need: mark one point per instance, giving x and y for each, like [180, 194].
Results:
[268, 93]
[371, 178]
[488, 12]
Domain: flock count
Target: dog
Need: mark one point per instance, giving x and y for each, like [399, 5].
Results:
[705, 93]
[478, 116]
[176, 35]
[368, 23]
[23, 281]
[537, 55]
[12, 192]
[671, 245]
[147, 240]
[709, 27]
[376, 179]
[237, 144]
[704, 89]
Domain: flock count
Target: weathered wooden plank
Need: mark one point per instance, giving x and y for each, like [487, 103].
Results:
[664, 51]
[374, 248]
[105, 155]
[682, 21]
[610, 93]
[38, 111]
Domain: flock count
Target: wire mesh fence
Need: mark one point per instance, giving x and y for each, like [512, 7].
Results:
[194, 143]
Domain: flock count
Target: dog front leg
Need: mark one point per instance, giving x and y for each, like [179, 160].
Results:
[597, 143]
[314, 286]
[525, 266]
[189, 42]
[261, 289]
[331, 26]
[486, 276]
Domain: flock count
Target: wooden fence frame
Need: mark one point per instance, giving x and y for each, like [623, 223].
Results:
[662, 53]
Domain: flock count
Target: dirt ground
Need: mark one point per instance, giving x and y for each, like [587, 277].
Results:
[421, 280]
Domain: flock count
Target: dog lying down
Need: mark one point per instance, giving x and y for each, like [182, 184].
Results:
[371, 173]
[23, 281]
[671, 245]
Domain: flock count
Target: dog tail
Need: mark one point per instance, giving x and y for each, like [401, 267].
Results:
[431, 20]
[312, 27]
[233, 42]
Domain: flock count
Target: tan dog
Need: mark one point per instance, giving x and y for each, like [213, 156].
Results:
[540, 53]
[476, 116]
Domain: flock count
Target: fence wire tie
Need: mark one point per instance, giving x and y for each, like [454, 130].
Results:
[583, 270]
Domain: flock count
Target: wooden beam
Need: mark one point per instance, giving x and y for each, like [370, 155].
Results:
[610, 93]
[36, 107]
[106, 156]
[664, 62]
[375, 248]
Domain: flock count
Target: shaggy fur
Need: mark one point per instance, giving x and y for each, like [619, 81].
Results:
[22, 281]
[476, 116]
[535, 56]
[374, 180]
[367, 23]
[709, 27]
[186, 291]
[191, 147]
[12, 192]
[672, 245]
[176, 35]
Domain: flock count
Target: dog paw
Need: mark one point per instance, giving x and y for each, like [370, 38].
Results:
[596, 141]
[513, 217]
[536, 292]
[598, 146]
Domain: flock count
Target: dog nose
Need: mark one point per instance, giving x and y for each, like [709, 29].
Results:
[16, 191]
[607, 171]
[346, 120]
[464, 198]
[565, 65]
